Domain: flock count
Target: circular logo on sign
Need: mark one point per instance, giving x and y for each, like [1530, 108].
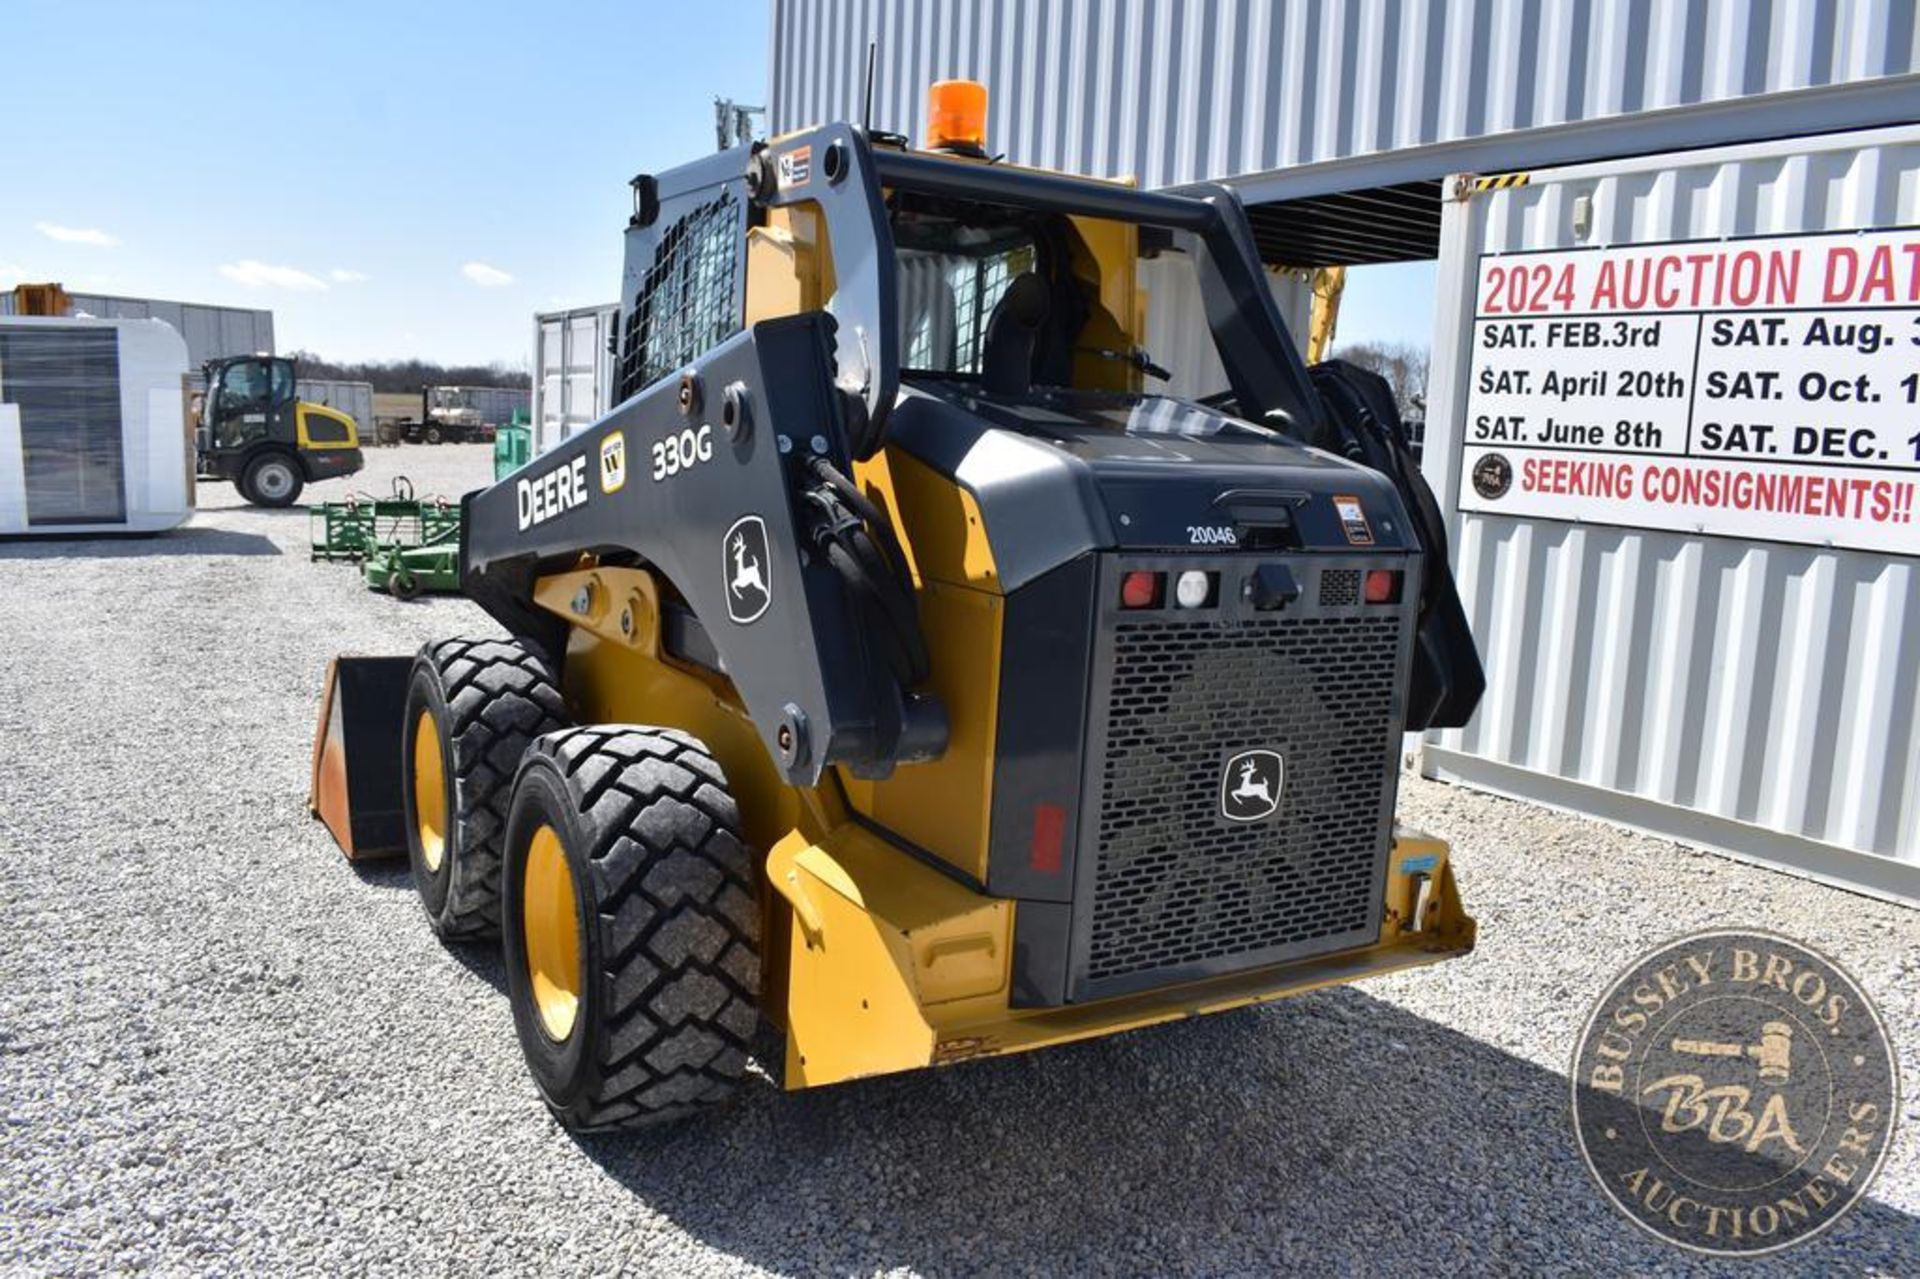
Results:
[1734, 1092]
[1492, 476]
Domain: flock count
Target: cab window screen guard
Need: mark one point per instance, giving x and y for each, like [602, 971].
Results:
[683, 293]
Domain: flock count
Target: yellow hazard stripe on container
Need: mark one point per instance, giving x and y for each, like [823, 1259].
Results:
[1500, 182]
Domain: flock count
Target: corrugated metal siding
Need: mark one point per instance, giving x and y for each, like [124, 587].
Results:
[355, 399]
[1173, 91]
[1769, 685]
[211, 331]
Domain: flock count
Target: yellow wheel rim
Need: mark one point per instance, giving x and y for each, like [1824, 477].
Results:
[548, 923]
[429, 791]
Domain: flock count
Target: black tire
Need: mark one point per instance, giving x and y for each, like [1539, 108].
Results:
[272, 480]
[403, 585]
[433, 435]
[486, 701]
[668, 928]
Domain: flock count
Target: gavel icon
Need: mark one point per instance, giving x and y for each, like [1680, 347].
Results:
[1774, 1052]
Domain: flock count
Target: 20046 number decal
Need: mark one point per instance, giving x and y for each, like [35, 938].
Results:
[682, 451]
[1211, 535]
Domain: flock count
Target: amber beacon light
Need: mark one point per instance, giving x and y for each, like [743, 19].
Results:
[957, 116]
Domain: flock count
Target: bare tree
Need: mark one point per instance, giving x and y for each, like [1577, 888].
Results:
[1402, 364]
[411, 375]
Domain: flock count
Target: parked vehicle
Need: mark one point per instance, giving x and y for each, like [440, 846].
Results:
[256, 432]
[457, 414]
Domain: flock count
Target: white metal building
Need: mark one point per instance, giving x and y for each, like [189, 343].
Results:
[210, 331]
[1730, 652]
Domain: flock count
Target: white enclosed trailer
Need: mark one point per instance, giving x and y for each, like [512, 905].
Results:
[1675, 421]
[94, 435]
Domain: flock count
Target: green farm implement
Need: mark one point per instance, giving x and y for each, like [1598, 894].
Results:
[404, 544]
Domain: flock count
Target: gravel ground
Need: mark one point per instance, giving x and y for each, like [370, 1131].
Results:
[224, 1049]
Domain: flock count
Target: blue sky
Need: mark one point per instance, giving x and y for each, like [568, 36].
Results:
[271, 154]
[390, 179]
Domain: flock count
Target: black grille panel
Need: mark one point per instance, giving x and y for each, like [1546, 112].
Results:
[1177, 889]
[1340, 588]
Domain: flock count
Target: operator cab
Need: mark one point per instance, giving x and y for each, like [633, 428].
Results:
[1056, 313]
[242, 397]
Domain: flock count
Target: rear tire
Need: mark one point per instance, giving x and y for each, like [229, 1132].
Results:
[473, 707]
[644, 1010]
[272, 480]
[403, 585]
[433, 435]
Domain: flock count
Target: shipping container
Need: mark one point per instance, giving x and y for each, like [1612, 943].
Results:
[496, 405]
[572, 371]
[1672, 420]
[352, 398]
[94, 436]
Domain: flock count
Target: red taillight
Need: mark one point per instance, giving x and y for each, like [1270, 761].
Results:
[1141, 589]
[1049, 837]
[1383, 585]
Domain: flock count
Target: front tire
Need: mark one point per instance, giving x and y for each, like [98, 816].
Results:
[631, 934]
[473, 707]
[272, 480]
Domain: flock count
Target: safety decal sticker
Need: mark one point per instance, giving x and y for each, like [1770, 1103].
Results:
[613, 462]
[1353, 519]
[795, 167]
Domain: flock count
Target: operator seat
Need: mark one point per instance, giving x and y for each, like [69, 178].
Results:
[1013, 330]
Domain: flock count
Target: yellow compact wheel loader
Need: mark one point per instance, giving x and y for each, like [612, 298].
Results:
[911, 663]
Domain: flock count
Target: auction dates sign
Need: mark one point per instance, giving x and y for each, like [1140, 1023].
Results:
[1760, 388]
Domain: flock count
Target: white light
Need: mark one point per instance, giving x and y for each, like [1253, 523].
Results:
[1190, 589]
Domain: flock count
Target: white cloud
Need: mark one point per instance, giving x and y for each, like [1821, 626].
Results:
[487, 277]
[340, 275]
[11, 273]
[76, 234]
[259, 275]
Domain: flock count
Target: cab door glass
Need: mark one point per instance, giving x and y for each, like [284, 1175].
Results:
[241, 402]
[283, 389]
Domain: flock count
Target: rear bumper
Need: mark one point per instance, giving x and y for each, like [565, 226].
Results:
[330, 464]
[892, 965]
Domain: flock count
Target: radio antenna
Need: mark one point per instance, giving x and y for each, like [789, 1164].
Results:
[866, 110]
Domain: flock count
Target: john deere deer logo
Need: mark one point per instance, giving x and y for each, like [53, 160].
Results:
[1250, 785]
[748, 589]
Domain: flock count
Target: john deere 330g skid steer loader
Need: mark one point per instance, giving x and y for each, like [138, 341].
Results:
[896, 665]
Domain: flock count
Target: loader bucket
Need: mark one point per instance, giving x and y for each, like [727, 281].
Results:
[356, 786]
